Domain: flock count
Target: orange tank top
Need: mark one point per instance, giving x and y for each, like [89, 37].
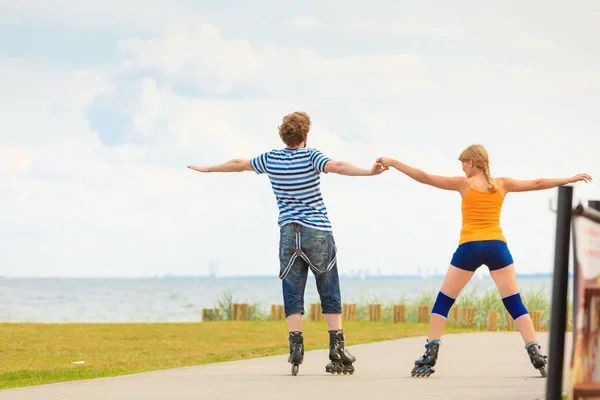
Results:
[481, 216]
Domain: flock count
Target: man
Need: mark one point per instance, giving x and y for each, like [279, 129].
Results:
[306, 238]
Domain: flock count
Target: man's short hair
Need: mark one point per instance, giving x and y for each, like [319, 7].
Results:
[294, 128]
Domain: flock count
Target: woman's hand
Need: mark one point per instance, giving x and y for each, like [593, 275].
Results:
[581, 177]
[386, 162]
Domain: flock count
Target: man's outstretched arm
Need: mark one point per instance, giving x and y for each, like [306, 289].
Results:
[348, 169]
[235, 165]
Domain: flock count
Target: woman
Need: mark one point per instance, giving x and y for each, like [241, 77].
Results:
[481, 242]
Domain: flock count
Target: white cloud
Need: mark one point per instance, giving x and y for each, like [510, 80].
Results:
[77, 203]
[195, 54]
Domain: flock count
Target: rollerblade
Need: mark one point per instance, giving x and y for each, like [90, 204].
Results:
[296, 351]
[424, 365]
[341, 358]
[538, 360]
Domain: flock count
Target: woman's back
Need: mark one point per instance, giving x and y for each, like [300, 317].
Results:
[481, 212]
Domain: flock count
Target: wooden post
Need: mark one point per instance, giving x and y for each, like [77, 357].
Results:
[492, 320]
[209, 314]
[398, 313]
[277, 312]
[349, 312]
[467, 316]
[424, 314]
[375, 312]
[454, 316]
[239, 312]
[471, 317]
[535, 318]
[316, 312]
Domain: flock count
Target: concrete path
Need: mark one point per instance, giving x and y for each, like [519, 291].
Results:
[471, 366]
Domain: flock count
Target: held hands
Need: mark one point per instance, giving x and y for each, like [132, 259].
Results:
[199, 169]
[385, 162]
[377, 168]
[581, 177]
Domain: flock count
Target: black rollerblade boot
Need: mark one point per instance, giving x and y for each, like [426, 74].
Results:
[341, 358]
[424, 365]
[296, 351]
[538, 360]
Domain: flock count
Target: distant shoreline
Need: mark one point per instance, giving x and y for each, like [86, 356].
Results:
[262, 277]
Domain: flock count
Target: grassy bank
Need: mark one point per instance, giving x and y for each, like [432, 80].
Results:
[34, 354]
[482, 303]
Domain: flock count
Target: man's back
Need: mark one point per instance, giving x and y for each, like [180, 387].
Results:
[295, 179]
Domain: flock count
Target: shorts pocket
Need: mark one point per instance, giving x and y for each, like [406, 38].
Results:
[320, 252]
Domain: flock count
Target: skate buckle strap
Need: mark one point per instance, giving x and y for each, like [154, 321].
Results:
[300, 253]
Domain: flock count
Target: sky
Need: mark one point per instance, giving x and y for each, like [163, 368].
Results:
[104, 104]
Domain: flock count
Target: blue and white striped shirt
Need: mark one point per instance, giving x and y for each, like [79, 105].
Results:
[295, 179]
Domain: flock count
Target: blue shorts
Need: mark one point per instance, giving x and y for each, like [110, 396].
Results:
[472, 255]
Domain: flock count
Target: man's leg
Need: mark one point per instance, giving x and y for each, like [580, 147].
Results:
[328, 287]
[293, 300]
[293, 295]
[293, 277]
[293, 273]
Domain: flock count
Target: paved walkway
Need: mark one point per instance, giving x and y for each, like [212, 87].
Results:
[471, 366]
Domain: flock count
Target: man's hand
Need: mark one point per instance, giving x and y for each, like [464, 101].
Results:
[199, 169]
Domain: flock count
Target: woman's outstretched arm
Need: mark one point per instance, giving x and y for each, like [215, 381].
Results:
[442, 182]
[515, 185]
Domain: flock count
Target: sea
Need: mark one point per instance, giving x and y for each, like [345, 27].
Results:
[181, 299]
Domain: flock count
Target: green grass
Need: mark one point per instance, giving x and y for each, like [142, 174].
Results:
[34, 354]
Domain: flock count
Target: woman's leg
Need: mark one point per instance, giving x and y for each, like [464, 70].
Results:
[506, 281]
[454, 282]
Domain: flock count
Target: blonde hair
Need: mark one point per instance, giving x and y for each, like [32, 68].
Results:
[478, 154]
[294, 128]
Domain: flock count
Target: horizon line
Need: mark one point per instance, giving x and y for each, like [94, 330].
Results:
[218, 277]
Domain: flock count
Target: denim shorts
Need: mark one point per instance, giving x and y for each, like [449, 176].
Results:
[472, 255]
[300, 249]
